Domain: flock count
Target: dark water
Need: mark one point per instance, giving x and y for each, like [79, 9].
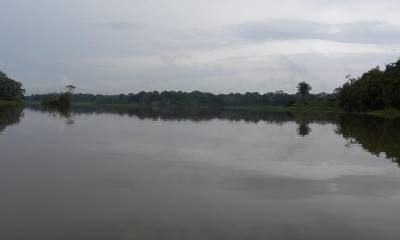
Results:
[110, 173]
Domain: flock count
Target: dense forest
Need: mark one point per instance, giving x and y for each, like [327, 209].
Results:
[10, 90]
[196, 98]
[374, 90]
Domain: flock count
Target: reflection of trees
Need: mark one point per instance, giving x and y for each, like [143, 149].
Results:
[376, 135]
[57, 112]
[204, 114]
[10, 115]
[303, 129]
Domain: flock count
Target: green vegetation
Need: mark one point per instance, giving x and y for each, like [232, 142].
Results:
[57, 100]
[60, 101]
[374, 90]
[7, 102]
[168, 99]
[386, 113]
[10, 90]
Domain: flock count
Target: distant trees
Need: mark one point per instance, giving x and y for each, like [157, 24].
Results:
[303, 88]
[178, 98]
[10, 90]
[60, 101]
[374, 90]
[190, 99]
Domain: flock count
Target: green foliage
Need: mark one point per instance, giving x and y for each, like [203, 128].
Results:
[322, 102]
[10, 90]
[57, 101]
[61, 102]
[374, 90]
[189, 99]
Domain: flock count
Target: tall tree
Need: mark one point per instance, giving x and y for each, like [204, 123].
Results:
[70, 88]
[303, 88]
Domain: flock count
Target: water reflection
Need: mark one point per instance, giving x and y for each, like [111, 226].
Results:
[303, 129]
[63, 113]
[202, 114]
[374, 134]
[9, 115]
[197, 174]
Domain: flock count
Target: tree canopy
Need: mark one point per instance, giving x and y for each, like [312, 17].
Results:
[10, 89]
[374, 90]
[59, 101]
[303, 88]
[189, 99]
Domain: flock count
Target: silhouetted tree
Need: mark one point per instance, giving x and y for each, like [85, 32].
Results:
[70, 88]
[303, 88]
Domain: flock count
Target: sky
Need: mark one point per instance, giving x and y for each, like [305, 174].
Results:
[219, 46]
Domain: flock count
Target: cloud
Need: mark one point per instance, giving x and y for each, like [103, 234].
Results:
[121, 25]
[374, 32]
[218, 46]
[293, 188]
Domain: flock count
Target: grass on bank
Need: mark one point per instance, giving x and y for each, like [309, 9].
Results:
[285, 109]
[305, 105]
[295, 107]
[386, 113]
[2, 102]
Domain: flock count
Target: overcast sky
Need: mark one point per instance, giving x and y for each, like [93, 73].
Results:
[121, 46]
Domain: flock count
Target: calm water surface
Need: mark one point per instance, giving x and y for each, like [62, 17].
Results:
[129, 174]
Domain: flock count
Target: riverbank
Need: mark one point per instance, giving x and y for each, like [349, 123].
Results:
[246, 108]
[386, 113]
[286, 109]
[2, 102]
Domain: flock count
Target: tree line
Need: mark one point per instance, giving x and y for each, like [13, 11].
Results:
[375, 90]
[195, 98]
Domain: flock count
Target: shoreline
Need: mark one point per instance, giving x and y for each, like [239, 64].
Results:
[386, 113]
[2, 103]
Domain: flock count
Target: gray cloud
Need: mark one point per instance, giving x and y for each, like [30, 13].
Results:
[354, 32]
[121, 25]
[293, 188]
[127, 45]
